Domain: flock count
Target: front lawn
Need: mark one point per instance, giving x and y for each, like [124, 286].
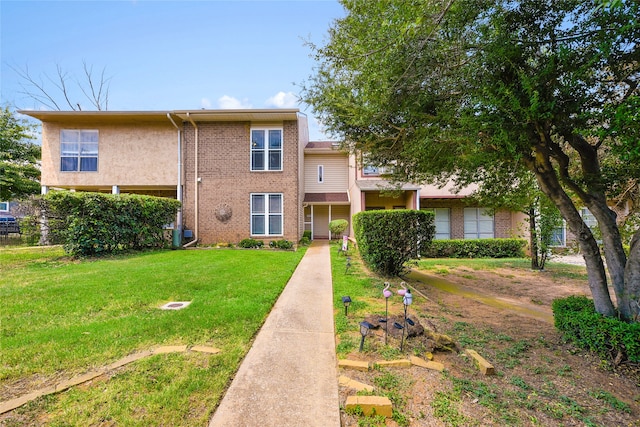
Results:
[61, 317]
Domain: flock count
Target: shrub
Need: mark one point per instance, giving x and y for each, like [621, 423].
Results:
[90, 224]
[337, 227]
[612, 339]
[388, 239]
[475, 248]
[307, 234]
[250, 243]
[281, 244]
[305, 241]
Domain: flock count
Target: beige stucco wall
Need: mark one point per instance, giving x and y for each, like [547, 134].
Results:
[139, 155]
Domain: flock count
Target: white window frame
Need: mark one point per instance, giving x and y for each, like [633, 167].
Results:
[266, 150]
[4, 206]
[475, 224]
[320, 174]
[267, 215]
[82, 150]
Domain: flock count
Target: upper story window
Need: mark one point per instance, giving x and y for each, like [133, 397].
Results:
[266, 149]
[78, 150]
[320, 174]
[4, 206]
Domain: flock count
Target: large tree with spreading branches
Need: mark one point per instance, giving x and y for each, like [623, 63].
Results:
[456, 89]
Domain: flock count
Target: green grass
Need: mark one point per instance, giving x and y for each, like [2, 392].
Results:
[365, 293]
[62, 317]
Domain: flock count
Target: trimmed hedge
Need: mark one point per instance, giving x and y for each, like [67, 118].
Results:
[612, 339]
[476, 248]
[387, 239]
[90, 224]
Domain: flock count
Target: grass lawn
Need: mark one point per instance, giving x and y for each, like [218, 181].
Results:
[62, 317]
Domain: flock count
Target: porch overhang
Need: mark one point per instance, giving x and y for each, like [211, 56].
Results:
[327, 198]
[383, 185]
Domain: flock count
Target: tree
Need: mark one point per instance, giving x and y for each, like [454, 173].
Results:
[442, 87]
[60, 90]
[19, 172]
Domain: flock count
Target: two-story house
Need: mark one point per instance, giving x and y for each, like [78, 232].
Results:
[339, 185]
[238, 173]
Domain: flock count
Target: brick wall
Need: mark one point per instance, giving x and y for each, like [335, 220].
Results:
[227, 181]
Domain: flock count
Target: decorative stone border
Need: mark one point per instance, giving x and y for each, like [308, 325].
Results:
[12, 404]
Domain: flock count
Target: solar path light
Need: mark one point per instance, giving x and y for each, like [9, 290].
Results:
[346, 300]
[364, 330]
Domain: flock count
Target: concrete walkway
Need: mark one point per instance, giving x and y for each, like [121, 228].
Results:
[289, 376]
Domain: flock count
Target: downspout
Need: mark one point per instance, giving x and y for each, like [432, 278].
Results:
[179, 186]
[196, 182]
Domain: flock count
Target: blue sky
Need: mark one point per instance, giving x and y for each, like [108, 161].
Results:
[165, 55]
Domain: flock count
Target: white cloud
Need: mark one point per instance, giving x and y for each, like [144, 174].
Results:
[283, 100]
[230, 103]
[205, 103]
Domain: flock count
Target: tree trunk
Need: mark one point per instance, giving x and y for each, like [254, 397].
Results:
[614, 254]
[533, 235]
[550, 185]
[632, 278]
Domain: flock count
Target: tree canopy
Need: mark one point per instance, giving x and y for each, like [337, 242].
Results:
[19, 172]
[466, 89]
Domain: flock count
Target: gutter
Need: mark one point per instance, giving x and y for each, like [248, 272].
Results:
[179, 186]
[196, 184]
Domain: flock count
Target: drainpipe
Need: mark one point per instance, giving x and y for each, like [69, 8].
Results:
[196, 182]
[179, 186]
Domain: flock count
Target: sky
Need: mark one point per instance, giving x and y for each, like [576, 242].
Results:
[167, 55]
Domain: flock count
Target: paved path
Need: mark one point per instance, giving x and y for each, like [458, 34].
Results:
[289, 376]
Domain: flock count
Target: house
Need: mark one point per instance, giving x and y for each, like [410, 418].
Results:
[239, 173]
[338, 185]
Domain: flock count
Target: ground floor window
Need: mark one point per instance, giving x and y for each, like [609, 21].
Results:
[559, 236]
[442, 220]
[478, 223]
[266, 214]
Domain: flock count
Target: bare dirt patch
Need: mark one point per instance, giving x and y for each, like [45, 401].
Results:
[540, 380]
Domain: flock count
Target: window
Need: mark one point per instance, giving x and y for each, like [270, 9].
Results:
[266, 214]
[588, 218]
[266, 149]
[478, 224]
[78, 150]
[4, 206]
[559, 236]
[320, 174]
[442, 222]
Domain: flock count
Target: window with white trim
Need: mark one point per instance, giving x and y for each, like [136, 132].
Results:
[78, 150]
[478, 223]
[266, 214]
[4, 206]
[266, 149]
[320, 174]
